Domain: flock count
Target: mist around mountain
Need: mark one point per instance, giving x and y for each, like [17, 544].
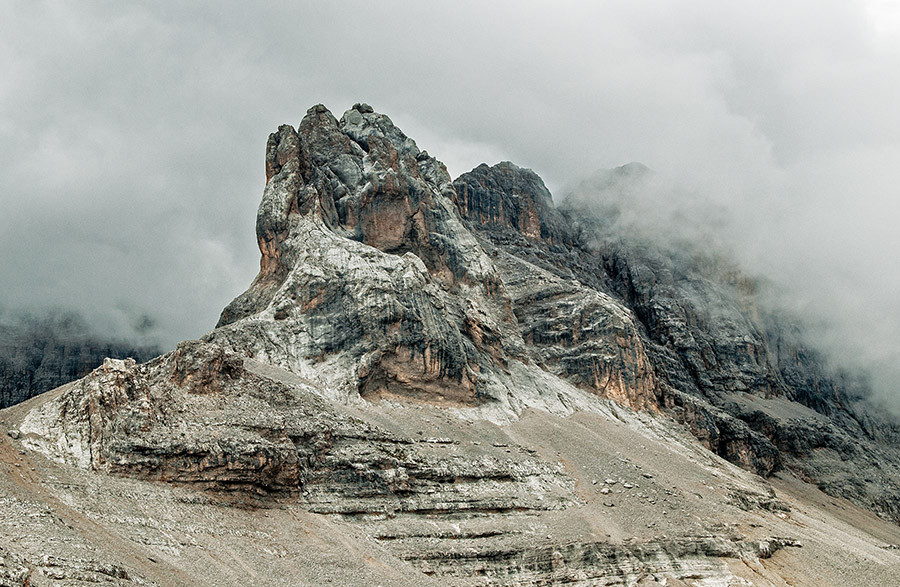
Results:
[39, 352]
[825, 308]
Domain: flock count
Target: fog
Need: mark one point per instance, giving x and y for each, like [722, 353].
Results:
[133, 136]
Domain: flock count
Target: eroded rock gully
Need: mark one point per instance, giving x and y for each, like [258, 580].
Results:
[454, 383]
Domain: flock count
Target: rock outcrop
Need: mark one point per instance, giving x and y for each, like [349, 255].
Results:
[506, 196]
[366, 264]
[207, 417]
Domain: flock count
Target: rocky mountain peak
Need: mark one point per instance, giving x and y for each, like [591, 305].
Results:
[361, 178]
[366, 180]
[507, 196]
[366, 258]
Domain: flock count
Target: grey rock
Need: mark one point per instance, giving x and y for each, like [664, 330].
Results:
[13, 570]
[367, 263]
[40, 354]
[735, 371]
[203, 415]
[506, 196]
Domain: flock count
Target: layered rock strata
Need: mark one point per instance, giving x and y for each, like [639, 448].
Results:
[207, 417]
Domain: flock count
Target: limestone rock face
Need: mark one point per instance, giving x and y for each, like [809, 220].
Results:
[205, 416]
[507, 196]
[364, 256]
[742, 378]
[368, 268]
[737, 374]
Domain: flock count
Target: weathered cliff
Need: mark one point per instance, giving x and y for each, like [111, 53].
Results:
[367, 268]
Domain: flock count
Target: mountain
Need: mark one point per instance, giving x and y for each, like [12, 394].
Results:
[727, 364]
[454, 382]
[40, 354]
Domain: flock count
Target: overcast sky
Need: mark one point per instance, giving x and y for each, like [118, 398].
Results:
[132, 137]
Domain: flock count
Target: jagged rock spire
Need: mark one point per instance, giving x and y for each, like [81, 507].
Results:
[366, 258]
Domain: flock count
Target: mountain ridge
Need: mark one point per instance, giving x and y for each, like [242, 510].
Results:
[40, 354]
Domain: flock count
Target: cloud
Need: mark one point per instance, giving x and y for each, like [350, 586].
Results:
[133, 135]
